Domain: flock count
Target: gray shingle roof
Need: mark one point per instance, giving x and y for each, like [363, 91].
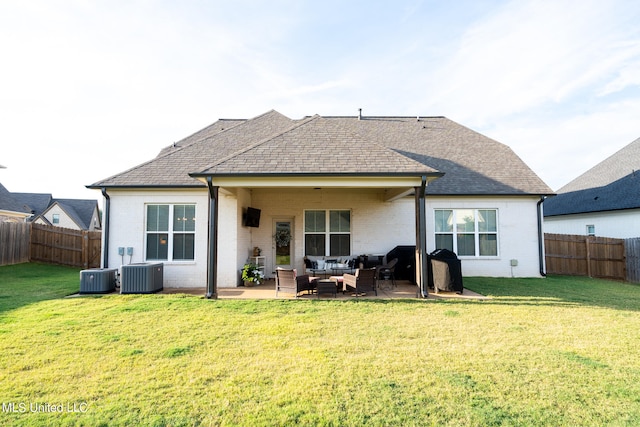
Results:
[36, 202]
[317, 146]
[80, 210]
[618, 165]
[205, 133]
[8, 202]
[472, 162]
[612, 184]
[171, 168]
[273, 144]
[621, 194]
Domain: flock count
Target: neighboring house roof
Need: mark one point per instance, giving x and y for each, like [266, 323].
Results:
[79, 210]
[8, 202]
[612, 184]
[621, 194]
[618, 165]
[272, 144]
[36, 202]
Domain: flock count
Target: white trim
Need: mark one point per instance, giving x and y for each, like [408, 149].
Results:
[327, 233]
[292, 253]
[407, 182]
[171, 233]
[476, 232]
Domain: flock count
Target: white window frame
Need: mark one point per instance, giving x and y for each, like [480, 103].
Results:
[476, 232]
[327, 231]
[171, 233]
[591, 230]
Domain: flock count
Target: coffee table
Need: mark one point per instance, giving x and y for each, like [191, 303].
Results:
[326, 286]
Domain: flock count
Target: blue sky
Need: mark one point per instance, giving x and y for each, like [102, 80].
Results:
[91, 88]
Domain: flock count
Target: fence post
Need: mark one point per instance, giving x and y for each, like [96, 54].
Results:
[588, 249]
[85, 249]
[632, 259]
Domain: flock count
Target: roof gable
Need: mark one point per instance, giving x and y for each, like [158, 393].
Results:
[80, 211]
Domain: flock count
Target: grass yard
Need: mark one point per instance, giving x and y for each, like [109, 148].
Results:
[559, 351]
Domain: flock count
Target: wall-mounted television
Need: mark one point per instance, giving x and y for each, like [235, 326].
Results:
[252, 217]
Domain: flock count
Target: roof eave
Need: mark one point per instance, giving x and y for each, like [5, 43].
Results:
[144, 186]
[449, 194]
[591, 212]
[198, 175]
[345, 180]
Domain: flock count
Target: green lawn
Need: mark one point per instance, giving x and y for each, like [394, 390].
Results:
[556, 351]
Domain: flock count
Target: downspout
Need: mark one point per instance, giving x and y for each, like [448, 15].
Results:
[422, 269]
[543, 273]
[105, 227]
[212, 240]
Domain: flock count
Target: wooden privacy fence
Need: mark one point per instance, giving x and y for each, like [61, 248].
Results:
[591, 256]
[633, 259]
[14, 242]
[24, 242]
[56, 245]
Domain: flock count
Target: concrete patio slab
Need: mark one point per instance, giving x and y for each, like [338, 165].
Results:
[266, 290]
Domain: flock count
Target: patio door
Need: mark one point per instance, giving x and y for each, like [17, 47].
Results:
[282, 243]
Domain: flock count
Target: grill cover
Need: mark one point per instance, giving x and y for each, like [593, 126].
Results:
[449, 278]
[406, 266]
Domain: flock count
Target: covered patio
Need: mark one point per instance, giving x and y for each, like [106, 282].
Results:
[266, 290]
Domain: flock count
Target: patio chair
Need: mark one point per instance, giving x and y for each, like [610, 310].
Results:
[386, 272]
[364, 280]
[288, 281]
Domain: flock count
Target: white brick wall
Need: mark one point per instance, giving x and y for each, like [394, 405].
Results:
[623, 224]
[517, 234]
[127, 229]
[244, 244]
[377, 227]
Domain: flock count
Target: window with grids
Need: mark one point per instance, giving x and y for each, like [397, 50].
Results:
[170, 233]
[327, 232]
[467, 232]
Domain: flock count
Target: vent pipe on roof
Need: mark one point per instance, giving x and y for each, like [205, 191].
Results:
[359, 113]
